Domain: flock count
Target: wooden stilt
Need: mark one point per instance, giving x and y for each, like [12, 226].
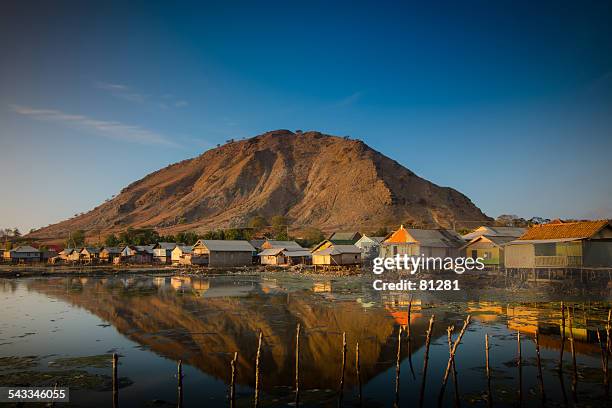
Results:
[341, 388]
[397, 366]
[449, 336]
[232, 396]
[488, 369]
[357, 368]
[451, 358]
[562, 336]
[297, 366]
[257, 380]
[519, 364]
[570, 318]
[539, 362]
[426, 360]
[408, 335]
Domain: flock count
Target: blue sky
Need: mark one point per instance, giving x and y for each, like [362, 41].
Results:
[508, 102]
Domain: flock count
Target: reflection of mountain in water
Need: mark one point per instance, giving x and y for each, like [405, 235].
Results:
[202, 322]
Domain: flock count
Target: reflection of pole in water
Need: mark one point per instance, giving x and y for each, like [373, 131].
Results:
[520, 368]
[179, 377]
[233, 381]
[357, 368]
[562, 336]
[540, 376]
[341, 391]
[489, 395]
[115, 382]
[397, 365]
[297, 366]
[256, 401]
[570, 317]
[426, 359]
[409, 340]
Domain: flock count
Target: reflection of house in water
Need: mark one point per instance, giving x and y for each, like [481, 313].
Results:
[485, 311]
[397, 307]
[180, 282]
[322, 287]
[200, 286]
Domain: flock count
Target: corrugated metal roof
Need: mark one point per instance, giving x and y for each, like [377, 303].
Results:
[284, 244]
[226, 245]
[576, 230]
[495, 231]
[541, 241]
[270, 252]
[339, 249]
[300, 253]
[167, 245]
[112, 250]
[438, 238]
[351, 236]
[25, 248]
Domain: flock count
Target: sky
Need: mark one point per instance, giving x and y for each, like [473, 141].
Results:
[508, 102]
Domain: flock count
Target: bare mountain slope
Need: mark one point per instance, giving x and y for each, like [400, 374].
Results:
[314, 179]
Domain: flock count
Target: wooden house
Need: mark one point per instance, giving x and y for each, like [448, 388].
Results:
[494, 232]
[89, 254]
[75, 255]
[177, 255]
[269, 243]
[135, 254]
[22, 254]
[562, 245]
[162, 251]
[284, 256]
[108, 254]
[337, 255]
[489, 248]
[370, 246]
[429, 242]
[225, 252]
[344, 238]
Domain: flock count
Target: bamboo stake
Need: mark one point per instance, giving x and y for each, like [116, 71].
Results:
[489, 395]
[256, 401]
[449, 335]
[297, 366]
[451, 358]
[570, 317]
[540, 376]
[357, 367]
[341, 391]
[562, 336]
[233, 381]
[426, 359]
[604, 362]
[115, 381]
[608, 349]
[397, 365]
[520, 368]
[408, 335]
[179, 385]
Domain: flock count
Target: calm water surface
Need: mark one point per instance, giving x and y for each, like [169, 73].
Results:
[62, 330]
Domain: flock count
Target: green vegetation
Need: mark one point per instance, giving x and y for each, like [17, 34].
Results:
[139, 236]
[75, 239]
[112, 240]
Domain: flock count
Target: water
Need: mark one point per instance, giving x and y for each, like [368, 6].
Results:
[154, 321]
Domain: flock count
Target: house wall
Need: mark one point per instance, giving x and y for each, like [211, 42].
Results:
[519, 256]
[230, 258]
[272, 260]
[490, 255]
[348, 259]
[390, 250]
[321, 259]
[597, 254]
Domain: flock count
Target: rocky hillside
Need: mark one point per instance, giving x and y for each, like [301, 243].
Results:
[314, 179]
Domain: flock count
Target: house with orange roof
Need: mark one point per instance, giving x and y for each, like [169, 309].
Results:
[562, 245]
[429, 242]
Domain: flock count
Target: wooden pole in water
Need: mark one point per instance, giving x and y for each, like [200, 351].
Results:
[604, 362]
[341, 390]
[519, 364]
[540, 376]
[397, 365]
[451, 358]
[488, 369]
[297, 366]
[426, 359]
[115, 381]
[179, 377]
[562, 336]
[408, 335]
[257, 358]
[233, 381]
[449, 335]
[357, 368]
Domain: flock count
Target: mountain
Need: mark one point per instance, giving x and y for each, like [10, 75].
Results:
[314, 179]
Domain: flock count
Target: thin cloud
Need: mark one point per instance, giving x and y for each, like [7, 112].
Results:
[127, 93]
[349, 100]
[111, 129]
